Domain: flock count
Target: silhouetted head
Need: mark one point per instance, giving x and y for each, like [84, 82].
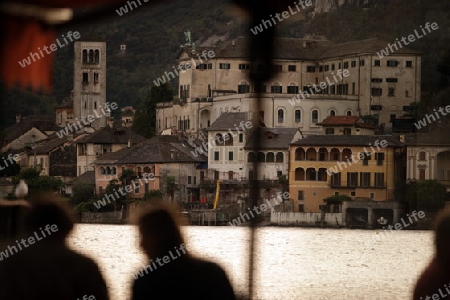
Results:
[49, 210]
[160, 230]
[442, 236]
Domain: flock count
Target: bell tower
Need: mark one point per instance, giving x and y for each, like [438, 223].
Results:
[89, 84]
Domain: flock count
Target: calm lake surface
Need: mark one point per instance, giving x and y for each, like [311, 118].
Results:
[291, 263]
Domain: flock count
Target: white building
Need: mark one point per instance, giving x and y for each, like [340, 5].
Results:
[428, 155]
[314, 79]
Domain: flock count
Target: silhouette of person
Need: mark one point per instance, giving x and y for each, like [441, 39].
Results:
[435, 279]
[39, 265]
[172, 272]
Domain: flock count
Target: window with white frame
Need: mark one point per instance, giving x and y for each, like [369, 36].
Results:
[315, 116]
[280, 115]
[298, 116]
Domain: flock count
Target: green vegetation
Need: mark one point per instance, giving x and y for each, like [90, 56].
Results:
[145, 119]
[37, 183]
[81, 193]
[336, 199]
[427, 195]
[171, 187]
[153, 196]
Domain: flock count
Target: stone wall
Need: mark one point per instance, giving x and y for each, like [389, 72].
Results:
[115, 217]
[307, 219]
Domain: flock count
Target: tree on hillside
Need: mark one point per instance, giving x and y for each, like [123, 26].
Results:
[144, 122]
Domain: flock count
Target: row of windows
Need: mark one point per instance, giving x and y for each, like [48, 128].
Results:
[379, 92]
[108, 170]
[311, 154]
[393, 63]
[91, 56]
[281, 113]
[363, 180]
[277, 88]
[387, 79]
[184, 123]
[146, 170]
[312, 68]
[326, 68]
[226, 139]
[86, 78]
[185, 91]
[265, 157]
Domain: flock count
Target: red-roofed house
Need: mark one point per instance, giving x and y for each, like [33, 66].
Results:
[346, 125]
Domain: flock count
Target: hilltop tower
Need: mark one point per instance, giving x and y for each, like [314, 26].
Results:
[89, 83]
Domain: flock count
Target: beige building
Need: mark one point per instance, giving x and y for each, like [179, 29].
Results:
[314, 79]
[346, 125]
[364, 167]
[112, 138]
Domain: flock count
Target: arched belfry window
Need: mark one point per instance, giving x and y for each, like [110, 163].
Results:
[85, 56]
[91, 56]
[97, 56]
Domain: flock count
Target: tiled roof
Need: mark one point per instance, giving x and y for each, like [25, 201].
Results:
[346, 140]
[85, 178]
[67, 104]
[51, 143]
[339, 120]
[345, 121]
[273, 138]
[63, 161]
[229, 121]
[159, 149]
[43, 123]
[114, 135]
[302, 49]
[113, 157]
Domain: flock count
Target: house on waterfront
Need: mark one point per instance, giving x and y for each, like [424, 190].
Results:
[108, 139]
[362, 167]
[152, 162]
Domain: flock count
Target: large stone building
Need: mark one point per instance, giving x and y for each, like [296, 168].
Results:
[314, 79]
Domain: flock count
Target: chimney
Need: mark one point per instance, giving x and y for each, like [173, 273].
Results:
[111, 122]
[18, 118]
[129, 143]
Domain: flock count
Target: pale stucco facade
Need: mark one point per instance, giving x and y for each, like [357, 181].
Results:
[343, 81]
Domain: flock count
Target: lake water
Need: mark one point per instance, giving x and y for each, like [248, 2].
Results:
[291, 263]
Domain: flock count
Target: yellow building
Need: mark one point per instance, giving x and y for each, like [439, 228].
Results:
[363, 167]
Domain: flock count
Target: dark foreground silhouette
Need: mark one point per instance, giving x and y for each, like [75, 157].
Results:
[434, 282]
[39, 265]
[172, 272]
